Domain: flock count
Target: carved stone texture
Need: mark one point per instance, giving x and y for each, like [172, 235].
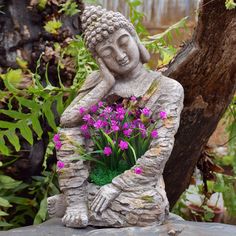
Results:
[125, 201]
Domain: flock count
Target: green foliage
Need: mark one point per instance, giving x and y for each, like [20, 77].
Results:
[53, 26]
[161, 43]
[42, 4]
[101, 175]
[27, 111]
[136, 16]
[230, 4]
[70, 8]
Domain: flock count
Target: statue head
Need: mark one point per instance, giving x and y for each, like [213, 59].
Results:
[110, 36]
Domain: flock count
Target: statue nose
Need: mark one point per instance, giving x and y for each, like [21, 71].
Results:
[120, 55]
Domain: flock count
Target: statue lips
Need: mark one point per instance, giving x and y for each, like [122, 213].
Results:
[124, 62]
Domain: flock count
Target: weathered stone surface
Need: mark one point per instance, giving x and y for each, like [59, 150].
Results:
[172, 227]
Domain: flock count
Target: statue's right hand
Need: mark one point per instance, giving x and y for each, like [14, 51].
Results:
[105, 73]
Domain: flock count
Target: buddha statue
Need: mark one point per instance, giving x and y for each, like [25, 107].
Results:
[130, 199]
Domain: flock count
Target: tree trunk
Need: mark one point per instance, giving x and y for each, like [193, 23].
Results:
[206, 67]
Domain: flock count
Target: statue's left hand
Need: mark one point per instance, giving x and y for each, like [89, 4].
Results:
[105, 195]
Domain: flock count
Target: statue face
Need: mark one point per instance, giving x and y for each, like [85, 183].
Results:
[119, 52]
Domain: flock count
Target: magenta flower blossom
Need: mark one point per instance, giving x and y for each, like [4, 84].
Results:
[107, 151]
[145, 111]
[123, 145]
[154, 134]
[163, 115]
[138, 170]
[84, 128]
[82, 110]
[58, 145]
[94, 108]
[115, 128]
[100, 104]
[120, 110]
[60, 165]
[56, 138]
[133, 98]
[108, 110]
[98, 124]
[127, 132]
[87, 117]
[125, 125]
[114, 122]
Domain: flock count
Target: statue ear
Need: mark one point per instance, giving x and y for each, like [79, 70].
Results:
[144, 54]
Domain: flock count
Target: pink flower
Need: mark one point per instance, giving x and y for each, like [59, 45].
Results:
[107, 151]
[126, 125]
[60, 165]
[56, 138]
[123, 145]
[115, 127]
[154, 134]
[133, 98]
[87, 117]
[108, 110]
[138, 170]
[82, 110]
[120, 110]
[100, 104]
[84, 128]
[94, 108]
[146, 111]
[127, 132]
[58, 145]
[98, 124]
[163, 115]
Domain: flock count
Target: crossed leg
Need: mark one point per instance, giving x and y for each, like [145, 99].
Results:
[73, 178]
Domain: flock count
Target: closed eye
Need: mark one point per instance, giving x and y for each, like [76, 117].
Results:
[105, 52]
[123, 40]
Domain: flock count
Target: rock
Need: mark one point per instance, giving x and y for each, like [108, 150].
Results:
[175, 226]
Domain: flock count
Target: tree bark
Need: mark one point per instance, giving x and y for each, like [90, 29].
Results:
[206, 67]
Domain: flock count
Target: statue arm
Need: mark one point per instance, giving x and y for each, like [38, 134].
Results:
[94, 90]
[153, 161]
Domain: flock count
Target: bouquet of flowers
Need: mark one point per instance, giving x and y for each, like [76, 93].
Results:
[121, 133]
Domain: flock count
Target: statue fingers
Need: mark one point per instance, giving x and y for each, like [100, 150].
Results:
[95, 202]
[100, 204]
[104, 205]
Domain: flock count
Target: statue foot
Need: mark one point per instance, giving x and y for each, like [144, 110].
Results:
[76, 217]
[56, 206]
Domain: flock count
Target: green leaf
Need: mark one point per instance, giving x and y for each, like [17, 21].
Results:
[4, 202]
[53, 26]
[14, 114]
[36, 125]
[13, 139]
[3, 213]
[6, 182]
[5, 224]
[42, 4]
[28, 103]
[13, 77]
[42, 213]
[7, 125]
[26, 131]
[49, 115]
[60, 106]
[3, 148]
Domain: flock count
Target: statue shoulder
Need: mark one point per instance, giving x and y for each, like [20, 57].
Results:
[169, 85]
[91, 81]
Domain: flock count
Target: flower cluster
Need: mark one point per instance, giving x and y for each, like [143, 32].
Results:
[121, 132]
[57, 142]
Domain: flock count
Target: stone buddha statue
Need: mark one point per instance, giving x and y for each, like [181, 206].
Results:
[131, 199]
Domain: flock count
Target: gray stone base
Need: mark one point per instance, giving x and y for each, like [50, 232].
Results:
[174, 226]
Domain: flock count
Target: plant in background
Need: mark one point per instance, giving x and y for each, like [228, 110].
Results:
[121, 133]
